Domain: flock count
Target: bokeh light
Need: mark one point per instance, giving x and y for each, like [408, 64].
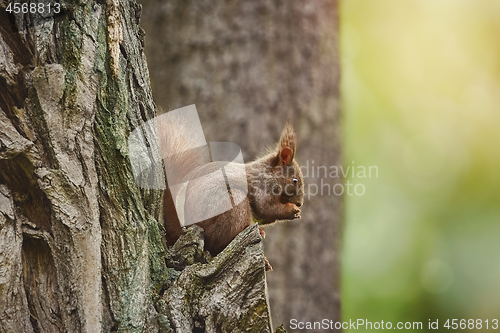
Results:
[421, 101]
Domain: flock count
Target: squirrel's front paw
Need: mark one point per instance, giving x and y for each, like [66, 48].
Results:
[295, 211]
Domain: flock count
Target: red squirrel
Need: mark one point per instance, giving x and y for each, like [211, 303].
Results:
[273, 191]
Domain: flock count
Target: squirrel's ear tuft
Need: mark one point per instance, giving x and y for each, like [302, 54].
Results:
[287, 145]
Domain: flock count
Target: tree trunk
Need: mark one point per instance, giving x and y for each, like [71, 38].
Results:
[250, 66]
[78, 229]
[81, 246]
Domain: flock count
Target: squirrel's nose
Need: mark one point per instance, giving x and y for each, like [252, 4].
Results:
[298, 204]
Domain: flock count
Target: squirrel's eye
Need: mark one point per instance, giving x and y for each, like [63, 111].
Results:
[295, 180]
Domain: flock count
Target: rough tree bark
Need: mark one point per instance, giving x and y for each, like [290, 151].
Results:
[249, 66]
[81, 245]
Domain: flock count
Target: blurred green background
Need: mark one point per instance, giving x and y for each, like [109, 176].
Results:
[421, 101]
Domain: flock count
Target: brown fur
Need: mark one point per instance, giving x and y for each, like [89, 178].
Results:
[274, 171]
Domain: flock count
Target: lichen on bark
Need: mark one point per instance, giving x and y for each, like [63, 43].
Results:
[222, 294]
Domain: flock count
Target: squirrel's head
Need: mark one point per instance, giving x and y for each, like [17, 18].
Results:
[287, 169]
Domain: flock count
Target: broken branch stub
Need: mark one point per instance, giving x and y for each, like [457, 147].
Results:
[225, 294]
